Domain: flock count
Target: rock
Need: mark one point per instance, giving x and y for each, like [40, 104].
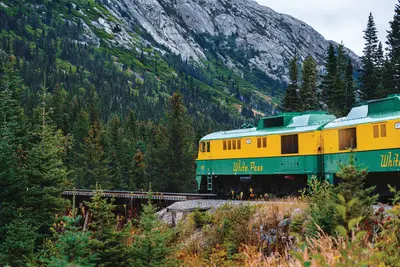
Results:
[286, 222]
[190, 28]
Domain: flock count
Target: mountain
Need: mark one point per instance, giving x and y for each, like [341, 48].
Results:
[245, 35]
[228, 58]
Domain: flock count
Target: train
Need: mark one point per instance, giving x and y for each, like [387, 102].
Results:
[284, 151]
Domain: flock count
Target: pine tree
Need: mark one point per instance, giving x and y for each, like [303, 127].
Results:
[11, 112]
[291, 102]
[170, 160]
[150, 247]
[380, 71]
[393, 42]
[107, 242]
[369, 71]
[19, 244]
[349, 88]
[92, 162]
[47, 175]
[328, 80]
[13, 141]
[59, 114]
[116, 153]
[73, 246]
[339, 93]
[308, 88]
[352, 182]
[137, 171]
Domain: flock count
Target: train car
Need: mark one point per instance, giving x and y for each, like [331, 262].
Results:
[282, 152]
[372, 132]
[277, 156]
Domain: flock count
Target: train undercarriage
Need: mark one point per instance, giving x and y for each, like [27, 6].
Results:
[261, 186]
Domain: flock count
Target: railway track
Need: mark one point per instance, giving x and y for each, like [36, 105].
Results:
[139, 195]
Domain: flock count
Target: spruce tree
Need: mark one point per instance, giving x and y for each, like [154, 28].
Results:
[137, 171]
[339, 92]
[45, 170]
[107, 242]
[308, 88]
[349, 88]
[73, 246]
[150, 247]
[380, 72]
[19, 244]
[60, 114]
[116, 153]
[328, 80]
[352, 185]
[368, 77]
[171, 159]
[13, 143]
[393, 43]
[92, 162]
[291, 101]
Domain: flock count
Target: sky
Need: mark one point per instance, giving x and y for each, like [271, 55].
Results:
[339, 20]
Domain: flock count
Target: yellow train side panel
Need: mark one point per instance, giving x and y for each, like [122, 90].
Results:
[365, 137]
[309, 144]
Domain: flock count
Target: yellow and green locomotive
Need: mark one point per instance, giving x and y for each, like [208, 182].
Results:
[283, 151]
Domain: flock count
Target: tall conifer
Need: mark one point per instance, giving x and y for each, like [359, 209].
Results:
[349, 88]
[92, 162]
[393, 42]
[369, 70]
[291, 102]
[328, 80]
[308, 91]
[45, 169]
[170, 161]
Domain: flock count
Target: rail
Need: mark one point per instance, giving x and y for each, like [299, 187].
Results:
[139, 195]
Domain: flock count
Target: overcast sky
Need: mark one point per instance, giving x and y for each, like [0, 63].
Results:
[339, 20]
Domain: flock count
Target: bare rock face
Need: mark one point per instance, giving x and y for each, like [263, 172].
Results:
[245, 34]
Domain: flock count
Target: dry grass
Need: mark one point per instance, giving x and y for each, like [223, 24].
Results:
[322, 250]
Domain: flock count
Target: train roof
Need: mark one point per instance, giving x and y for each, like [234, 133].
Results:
[284, 123]
[370, 112]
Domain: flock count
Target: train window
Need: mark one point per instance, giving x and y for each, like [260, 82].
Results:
[229, 145]
[208, 146]
[383, 130]
[239, 145]
[347, 139]
[202, 147]
[290, 144]
[264, 143]
[234, 144]
[224, 145]
[376, 131]
[258, 142]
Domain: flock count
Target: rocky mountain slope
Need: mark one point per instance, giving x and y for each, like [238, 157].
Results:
[225, 56]
[244, 34]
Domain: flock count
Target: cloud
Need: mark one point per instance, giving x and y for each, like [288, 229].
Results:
[339, 20]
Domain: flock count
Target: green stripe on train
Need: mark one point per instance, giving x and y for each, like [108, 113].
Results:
[375, 161]
[261, 166]
[387, 160]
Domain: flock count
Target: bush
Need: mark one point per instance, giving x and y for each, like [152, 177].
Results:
[352, 181]
[201, 218]
[389, 237]
[322, 207]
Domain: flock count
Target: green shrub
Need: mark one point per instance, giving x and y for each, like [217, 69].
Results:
[201, 218]
[322, 208]
[352, 181]
[229, 228]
